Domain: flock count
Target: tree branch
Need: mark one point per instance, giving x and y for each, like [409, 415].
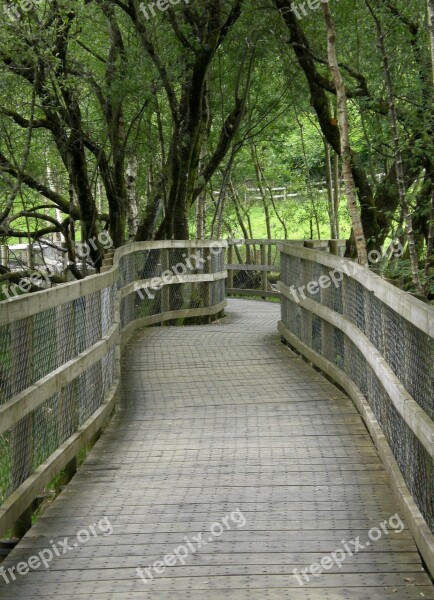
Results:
[7, 167]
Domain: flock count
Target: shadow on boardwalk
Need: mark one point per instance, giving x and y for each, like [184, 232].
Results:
[225, 437]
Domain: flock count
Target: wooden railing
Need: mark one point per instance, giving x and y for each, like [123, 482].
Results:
[254, 265]
[377, 343]
[60, 351]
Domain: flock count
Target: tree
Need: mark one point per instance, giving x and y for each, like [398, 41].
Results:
[343, 119]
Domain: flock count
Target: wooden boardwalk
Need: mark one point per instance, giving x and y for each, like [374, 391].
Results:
[224, 432]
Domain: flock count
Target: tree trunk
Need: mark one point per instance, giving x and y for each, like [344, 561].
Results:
[336, 192]
[309, 185]
[385, 198]
[240, 220]
[201, 203]
[131, 187]
[430, 240]
[200, 216]
[329, 180]
[431, 28]
[263, 195]
[273, 204]
[343, 120]
[398, 156]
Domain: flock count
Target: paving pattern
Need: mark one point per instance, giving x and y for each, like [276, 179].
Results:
[232, 451]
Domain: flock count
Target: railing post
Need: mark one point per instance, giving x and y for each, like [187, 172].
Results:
[230, 262]
[337, 247]
[264, 280]
[221, 298]
[333, 247]
[306, 321]
[165, 290]
[207, 255]
[23, 524]
[248, 253]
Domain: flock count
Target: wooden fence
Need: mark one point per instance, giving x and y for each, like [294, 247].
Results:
[60, 351]
[254, 265]
[377, 343]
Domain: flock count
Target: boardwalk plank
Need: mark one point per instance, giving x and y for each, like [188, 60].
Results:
[215, 419]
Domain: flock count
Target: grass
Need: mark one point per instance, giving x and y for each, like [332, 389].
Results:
[298, 217]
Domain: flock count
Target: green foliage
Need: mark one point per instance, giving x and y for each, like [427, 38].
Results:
[102, 79]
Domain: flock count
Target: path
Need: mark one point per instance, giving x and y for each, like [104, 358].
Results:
[222, 424]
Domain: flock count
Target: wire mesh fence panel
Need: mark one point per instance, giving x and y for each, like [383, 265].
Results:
[412, 359]
[404, 347]
[108, 364]
[247, 280]
[108, 296]
[34, 347]
[253, 253]
[218, 292]
[59, 363]
[44, 353]
[5, 361]
[50, 338]
[21, 377]
[139, 265]
[163, 288]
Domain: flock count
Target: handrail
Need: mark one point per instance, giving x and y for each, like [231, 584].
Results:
[418, 313]
[417, 420]
[249, 278]
[60, 354]
[377, 343]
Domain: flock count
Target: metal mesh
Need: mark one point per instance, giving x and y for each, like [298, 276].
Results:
[408, 350]
[36, 346]
[251, 255]
[35, 437]
[33, 347]
[247, 280]
[139, 265]
[218, 292]
[152, 300]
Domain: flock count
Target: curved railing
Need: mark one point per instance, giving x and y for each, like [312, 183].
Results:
[377, 342]
[254, 265]
[60, 350]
